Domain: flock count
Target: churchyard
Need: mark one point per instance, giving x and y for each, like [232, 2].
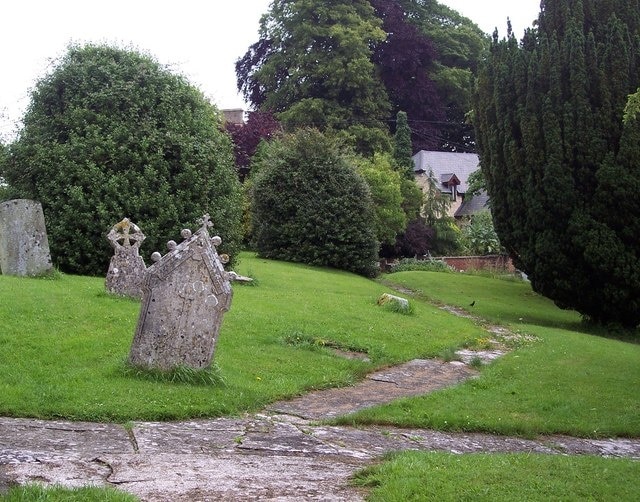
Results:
[65, 344]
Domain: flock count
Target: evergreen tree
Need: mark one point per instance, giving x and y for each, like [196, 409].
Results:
[109, 134]
[402, 151]
[559, 162]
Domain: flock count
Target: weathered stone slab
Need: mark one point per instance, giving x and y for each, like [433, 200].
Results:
[24, 247]
[386, 298]
[184, 296]
[126, 268]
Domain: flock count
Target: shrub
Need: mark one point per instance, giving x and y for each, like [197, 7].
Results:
[309, 205]
[111, 134]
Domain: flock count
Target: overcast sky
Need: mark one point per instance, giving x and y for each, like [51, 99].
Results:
[201, 39]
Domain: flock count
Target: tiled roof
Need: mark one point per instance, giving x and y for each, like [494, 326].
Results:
[472, 205]
[447, 163]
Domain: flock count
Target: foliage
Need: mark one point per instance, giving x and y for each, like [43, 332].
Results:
[436, 204]
[312, 67]
[310, 205]
[478, 235]
[476, 183]
[110, 133]
[558, 159]
[351, 66]
[416, 240]
[246, 138]
[459, 45]
[406, 62]
[402, 152]
[499, 477]
[632, 108]
[414, 265]
[385, 185]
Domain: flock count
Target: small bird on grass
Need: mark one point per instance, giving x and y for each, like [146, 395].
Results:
[472, 303]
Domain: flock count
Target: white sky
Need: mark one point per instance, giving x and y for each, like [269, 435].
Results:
[201, 39]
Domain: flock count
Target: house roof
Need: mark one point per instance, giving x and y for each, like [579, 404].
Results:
[446, 165]
[472, 205]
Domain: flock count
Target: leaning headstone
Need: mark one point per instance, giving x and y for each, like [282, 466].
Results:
[126, 268]
[24, 247]
[184, 296]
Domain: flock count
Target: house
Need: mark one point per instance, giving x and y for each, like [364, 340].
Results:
[450, 171]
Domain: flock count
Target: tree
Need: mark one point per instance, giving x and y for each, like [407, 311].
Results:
[385, 185]
[406, 63]
[402, 151]
[246, 138]
[109, 133]
[558, 159]
[312, 67]
[458, 46]
[309, 205]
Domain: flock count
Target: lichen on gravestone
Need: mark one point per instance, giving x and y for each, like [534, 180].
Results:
[185, 294]
[24, 246]
[126, 268]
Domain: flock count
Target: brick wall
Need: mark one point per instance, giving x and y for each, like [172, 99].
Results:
[491, 262]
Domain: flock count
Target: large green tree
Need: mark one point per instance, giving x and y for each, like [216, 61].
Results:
[109, 134]
[459, 45]
[561, 166]
[312, 67]
[310, 205]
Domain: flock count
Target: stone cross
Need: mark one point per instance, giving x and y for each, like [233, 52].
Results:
[24, 246]
[184, 296]
[127, 268]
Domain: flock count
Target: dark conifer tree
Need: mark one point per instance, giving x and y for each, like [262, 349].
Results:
[561, 167]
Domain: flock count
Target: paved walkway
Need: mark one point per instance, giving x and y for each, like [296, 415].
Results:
[277, 455]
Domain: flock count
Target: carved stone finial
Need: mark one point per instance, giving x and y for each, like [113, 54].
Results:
[205, 222]
[186, 234]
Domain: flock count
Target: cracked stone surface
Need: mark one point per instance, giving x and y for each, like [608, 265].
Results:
[256, 457]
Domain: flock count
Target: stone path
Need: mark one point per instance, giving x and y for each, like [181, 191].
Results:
[278, 455]
[281, 454]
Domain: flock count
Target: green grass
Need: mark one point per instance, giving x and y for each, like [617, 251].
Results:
[500, 477]
[38, 493]
[64, 343]
[569, 381]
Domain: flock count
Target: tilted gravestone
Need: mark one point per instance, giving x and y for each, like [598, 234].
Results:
[24, 247]
[184, 296]
[126, 268]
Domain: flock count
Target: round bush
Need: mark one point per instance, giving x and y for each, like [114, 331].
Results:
[309, 205]
[111, 134]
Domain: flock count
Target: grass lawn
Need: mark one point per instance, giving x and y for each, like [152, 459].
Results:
[500, 477]
[64, 342]
[570, 381]
[38, 493]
